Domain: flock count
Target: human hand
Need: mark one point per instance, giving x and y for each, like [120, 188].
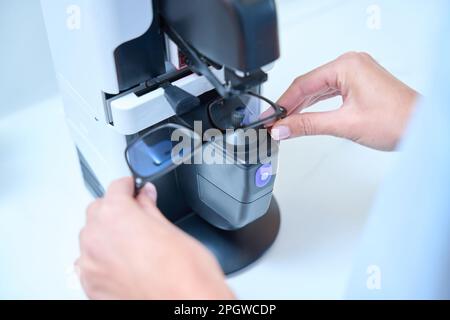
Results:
[376, 106]
[129, 250]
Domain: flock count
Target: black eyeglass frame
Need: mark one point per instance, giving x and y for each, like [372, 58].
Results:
[140, 180]
[279, 113]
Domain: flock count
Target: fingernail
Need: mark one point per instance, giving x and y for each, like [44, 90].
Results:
[280, 133]
[150, 191]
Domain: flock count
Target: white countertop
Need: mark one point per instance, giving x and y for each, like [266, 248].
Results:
[325, 185]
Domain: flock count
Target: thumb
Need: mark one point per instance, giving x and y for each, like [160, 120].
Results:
[309, 124]
[147, 201]
[147, 197]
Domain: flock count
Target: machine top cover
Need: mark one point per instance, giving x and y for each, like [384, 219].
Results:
[239, 34]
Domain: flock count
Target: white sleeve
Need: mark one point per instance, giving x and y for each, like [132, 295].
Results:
[405, 249]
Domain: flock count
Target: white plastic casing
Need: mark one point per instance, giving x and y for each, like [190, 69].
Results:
[132, 113]
[83, 35]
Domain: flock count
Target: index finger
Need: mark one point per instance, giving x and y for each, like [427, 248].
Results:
[316, 85]
[123, 186]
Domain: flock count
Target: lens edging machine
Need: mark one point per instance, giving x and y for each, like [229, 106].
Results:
[126, 67]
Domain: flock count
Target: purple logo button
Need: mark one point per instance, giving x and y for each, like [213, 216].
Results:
[263, 175]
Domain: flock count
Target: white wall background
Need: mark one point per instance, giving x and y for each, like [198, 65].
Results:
[26, 71]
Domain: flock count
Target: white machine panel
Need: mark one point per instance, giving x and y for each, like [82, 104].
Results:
[83, 35]
[132, 114]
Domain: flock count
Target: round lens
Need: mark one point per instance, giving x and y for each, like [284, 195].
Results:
[240, 111]
[161, 150]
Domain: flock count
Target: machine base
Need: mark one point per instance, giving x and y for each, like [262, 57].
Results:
[237, 249]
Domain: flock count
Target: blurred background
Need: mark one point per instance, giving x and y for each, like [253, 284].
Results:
[26, 66]
[325, 186]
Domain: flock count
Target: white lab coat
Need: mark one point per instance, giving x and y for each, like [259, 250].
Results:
[405, 250]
